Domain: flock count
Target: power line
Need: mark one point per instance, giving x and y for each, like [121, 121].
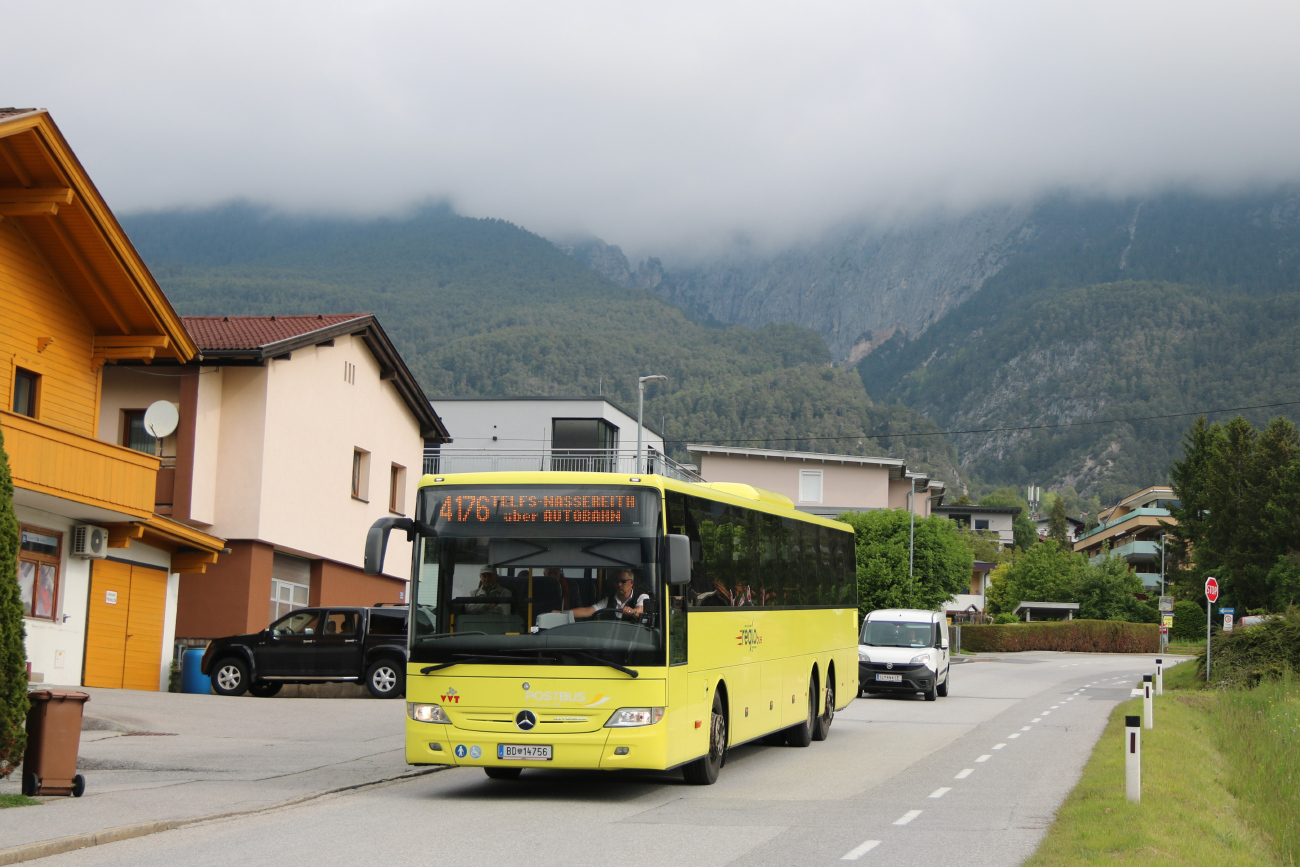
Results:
[942, 433]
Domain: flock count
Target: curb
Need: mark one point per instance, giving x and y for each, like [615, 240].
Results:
[58, 846]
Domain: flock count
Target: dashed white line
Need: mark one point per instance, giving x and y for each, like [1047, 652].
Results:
[907, 817]
[985, 758]
[941, 791]
[1045, 713]
[1055, 706]
[998, 746]
[1013, 735]
[964, 773]
[1037, 719]
[861, 850]
[1025, 728]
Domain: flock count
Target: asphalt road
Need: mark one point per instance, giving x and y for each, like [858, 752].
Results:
[977, 775]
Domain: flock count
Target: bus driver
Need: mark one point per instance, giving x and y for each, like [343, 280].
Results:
[620, 600]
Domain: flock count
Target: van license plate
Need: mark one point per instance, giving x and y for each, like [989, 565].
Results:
[890, 678]
[524, 752]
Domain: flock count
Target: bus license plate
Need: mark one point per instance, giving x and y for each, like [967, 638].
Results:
[891, 678]
[524, 752]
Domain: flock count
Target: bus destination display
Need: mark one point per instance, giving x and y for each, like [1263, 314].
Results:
[617, 508]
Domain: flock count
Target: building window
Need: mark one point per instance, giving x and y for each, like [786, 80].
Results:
[396, 488]
[583, 445]
[38, 571]
[290, 584]
[981, 524]
[26, 390]
[134, 436]
[810, 486]
[361, 475]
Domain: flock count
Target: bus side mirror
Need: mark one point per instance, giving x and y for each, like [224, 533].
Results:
[679, 559]
[377, 541]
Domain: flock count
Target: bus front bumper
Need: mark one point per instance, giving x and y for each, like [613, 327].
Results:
[643, 747]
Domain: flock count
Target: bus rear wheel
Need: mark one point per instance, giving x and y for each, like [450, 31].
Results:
[704, 770]
[802, 734]
[822, 728]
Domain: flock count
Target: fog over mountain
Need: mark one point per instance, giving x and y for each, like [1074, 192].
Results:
[666, 128]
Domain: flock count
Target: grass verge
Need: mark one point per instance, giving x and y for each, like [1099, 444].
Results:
[1190, 813]
[17, 801]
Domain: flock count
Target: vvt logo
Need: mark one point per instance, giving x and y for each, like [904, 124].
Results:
[451, 696]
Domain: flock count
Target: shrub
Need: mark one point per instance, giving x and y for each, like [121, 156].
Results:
[1004, 619]
[13, 651]
[1189, 623]
[1085, 636]
[1247, 656]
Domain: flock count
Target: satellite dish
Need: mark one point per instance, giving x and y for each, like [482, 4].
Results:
[161, 418]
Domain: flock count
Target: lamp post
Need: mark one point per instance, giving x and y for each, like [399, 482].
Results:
[1162, 563]
[640, 410]
[911, 530]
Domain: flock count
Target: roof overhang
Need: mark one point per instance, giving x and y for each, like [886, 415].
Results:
[897, 467]
[48, 196]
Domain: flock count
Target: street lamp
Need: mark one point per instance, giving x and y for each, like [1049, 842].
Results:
[1162, 563]
[640, 410]
[911, 529]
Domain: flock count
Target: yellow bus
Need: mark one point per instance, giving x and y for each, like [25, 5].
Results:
[608, 621]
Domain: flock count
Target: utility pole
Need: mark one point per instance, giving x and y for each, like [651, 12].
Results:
[640, 411]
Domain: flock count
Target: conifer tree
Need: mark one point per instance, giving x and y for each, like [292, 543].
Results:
[13, 653]
[1058, 524]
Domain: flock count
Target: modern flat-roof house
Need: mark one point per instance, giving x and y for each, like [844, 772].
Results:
[295, 434]
[1132, 530]
[823, 484]
[100, 561]
[989, 519]
[576, 434]
[1074, 525]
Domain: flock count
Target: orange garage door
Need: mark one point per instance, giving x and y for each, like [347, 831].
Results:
[124, 628]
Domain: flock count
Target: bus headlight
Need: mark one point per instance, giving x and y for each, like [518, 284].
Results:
[921, 659]
[862, 656]
[628, 717]
[430, 713]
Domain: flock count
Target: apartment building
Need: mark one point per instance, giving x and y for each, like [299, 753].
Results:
[1132, 529]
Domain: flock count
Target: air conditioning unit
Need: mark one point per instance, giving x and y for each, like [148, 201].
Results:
[89, 541]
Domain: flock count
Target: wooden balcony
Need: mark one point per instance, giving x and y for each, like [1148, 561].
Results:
[72, 467]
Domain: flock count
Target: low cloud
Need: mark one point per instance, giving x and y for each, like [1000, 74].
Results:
[660, 126]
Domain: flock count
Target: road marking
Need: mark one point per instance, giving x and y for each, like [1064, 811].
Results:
[964, 773]
[999, 746]
[861, 850]
[1013, 735]
[941, 791]
[907, 817]
[1045, 713]
[1055, 706]
[1037, 719]
[1024, 728]
[986, 758]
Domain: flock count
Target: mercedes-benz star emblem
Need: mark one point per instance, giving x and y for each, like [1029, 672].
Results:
[525, 720]
[889, 665]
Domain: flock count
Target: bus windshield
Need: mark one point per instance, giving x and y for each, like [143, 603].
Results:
[538, 574]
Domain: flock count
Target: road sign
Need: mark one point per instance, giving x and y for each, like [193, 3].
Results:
[1167, 620]
[1211, 589]
[1227, 610]
[1166, 603]
[1164, 630]
[1227, 623]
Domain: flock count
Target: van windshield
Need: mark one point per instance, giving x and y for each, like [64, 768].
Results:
[894, 633]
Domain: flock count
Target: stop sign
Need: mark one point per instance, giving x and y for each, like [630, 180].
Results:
[1211, 589]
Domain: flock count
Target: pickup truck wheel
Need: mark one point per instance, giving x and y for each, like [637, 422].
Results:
[230, 676]
[385, 679]
[264, 688]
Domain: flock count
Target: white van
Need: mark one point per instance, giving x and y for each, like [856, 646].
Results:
[904, 650]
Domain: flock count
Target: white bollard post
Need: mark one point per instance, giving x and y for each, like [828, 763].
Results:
[1133, 759]
[1160, 677]
[1148, 721]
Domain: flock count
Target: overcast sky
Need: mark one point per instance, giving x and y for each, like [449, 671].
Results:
[659, 125]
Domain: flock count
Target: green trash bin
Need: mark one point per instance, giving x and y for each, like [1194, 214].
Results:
[53, 738]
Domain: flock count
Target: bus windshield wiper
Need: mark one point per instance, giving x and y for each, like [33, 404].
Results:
[468, 658]
[596, 659]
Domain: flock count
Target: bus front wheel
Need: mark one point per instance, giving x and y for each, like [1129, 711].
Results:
[704, 770]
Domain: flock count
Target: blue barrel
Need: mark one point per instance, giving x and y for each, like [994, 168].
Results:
[193, 679]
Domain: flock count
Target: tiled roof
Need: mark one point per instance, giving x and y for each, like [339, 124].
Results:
[252, 332]
[14, 112]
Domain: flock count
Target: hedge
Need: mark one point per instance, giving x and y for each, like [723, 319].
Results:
[1247, 656]
[1086, 636]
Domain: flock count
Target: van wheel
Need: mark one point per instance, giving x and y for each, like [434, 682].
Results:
[230, 676]
[704, 770]
[822, 727]
[503, 773]
[932, 694]
[943, 687]
[802, 734]
[385, 679]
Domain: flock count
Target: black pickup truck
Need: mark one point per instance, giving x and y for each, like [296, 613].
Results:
[315, 645]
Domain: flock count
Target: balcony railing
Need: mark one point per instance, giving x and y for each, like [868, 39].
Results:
[1133, 552]
[622, 461]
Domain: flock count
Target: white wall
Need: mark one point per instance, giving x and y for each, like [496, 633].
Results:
[129, 387]
[520, 424]
[207, 445]
[240, 453]
[851, 486]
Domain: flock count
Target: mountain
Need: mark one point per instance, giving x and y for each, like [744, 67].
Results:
[1067, 310]
[483, 307]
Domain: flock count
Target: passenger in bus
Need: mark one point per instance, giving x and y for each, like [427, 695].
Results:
[555, 592]
[620, 600]
[489, 588]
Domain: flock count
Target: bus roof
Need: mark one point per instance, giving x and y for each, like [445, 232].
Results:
[726, 492]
